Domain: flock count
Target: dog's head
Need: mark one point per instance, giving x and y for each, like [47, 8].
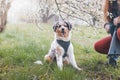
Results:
[62, 28]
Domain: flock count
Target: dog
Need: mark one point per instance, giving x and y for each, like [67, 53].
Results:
[61, 48]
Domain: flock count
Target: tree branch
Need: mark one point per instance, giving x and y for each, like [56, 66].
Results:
[78, 18]
[58, 9]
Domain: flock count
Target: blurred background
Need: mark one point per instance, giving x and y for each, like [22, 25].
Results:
[78, 12]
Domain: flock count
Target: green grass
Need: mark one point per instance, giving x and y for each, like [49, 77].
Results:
[22, 44]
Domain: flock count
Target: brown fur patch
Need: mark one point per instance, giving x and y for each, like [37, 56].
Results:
[48, 59]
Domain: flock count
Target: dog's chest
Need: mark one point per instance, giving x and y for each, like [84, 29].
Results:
[65, 45]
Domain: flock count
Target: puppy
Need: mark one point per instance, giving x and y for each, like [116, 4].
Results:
[61, 47]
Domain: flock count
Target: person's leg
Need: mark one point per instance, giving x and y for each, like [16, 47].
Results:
[115, 57]
[118, 33]
[102, 46]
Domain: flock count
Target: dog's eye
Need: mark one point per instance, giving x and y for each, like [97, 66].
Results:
[59, 26]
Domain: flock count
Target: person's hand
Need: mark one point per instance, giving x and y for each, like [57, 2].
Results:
[107, 28]
[116, 21]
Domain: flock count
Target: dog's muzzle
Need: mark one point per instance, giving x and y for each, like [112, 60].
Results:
[63, 30]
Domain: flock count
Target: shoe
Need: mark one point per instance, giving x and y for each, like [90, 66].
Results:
[112, 61]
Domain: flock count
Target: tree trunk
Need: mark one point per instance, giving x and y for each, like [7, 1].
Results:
[44, 18]
[47, 15]
[4, 7]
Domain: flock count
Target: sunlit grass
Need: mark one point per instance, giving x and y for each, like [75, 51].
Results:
[22, 44]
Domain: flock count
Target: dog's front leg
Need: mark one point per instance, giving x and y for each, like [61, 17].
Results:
[59, 61]
[59, 54]
[72, 57]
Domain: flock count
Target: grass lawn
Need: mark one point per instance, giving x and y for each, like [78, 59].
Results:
[22, 44]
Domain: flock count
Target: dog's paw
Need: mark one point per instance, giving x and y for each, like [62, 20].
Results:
[47, 58]
[79, 69]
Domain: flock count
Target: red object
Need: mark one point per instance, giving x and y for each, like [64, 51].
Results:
[102, 46]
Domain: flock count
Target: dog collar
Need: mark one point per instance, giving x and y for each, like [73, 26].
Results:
[65, 45]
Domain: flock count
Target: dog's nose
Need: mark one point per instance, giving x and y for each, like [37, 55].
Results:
[62, 29]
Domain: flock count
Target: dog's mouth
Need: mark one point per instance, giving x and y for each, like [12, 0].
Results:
[63, 32]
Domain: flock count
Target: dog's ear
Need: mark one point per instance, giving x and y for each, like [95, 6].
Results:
[55, 26]
[69, 25]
